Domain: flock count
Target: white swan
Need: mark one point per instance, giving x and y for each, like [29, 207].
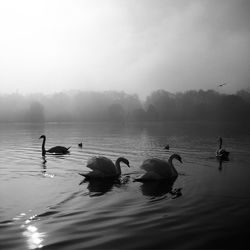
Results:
[54, 150]
[103, 167]
[221, 153]
[157, 169]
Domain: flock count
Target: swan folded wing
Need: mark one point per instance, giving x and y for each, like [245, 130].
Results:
[149, 176]
[157, 166]
[58, 150]
[102, 164]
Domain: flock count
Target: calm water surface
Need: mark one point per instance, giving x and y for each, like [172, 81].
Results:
[44, 202]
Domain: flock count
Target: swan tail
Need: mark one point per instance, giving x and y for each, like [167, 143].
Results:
[93, 175]
[84, 174]
[149, 176]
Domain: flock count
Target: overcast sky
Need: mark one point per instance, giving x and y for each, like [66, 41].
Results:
[133, 45]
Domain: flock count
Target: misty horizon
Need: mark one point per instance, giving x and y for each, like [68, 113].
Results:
[114, 106]
[217, 88]
[221, 88]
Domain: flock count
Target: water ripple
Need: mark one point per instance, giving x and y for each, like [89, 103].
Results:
[45, 203]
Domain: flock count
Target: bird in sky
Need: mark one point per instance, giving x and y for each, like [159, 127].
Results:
[221, 85]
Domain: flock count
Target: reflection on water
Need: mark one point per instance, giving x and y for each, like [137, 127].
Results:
[33, 237]
[105, 214]
[97, 187]
[160, 188]
[44, 165]
[44, 168]
[221, 162]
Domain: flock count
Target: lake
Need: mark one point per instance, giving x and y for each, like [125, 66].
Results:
[46, 204]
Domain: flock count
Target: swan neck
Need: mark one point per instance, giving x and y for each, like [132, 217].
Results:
[43, 147]
[170, 161]
[118, 166]
[220, 144]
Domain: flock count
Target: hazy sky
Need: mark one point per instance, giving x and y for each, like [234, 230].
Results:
[131, 45]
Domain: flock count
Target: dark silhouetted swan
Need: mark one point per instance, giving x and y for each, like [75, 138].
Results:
[166, 147]
[55, 150]
[157, 169]
[80, 145]
[222, 153]
[103, 167]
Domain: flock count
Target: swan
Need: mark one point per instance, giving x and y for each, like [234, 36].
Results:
[80, 145]
[103, 167]
[157, 169]
[54, 150]
[166, 147]
[221, 153]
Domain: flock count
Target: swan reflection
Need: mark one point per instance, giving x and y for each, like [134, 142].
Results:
[160, 188]
[98, 187]
[44, 168]
[221, 161]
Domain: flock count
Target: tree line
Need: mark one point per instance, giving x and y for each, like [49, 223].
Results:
[113, 106]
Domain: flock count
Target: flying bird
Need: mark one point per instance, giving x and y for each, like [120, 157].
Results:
[221, 85]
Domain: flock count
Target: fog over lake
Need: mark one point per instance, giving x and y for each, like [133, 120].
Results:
[121, 107]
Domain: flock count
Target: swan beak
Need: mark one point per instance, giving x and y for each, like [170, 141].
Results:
[181, 161]
[128, 165]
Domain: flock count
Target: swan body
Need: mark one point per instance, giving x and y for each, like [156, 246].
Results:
[221, 153]
[53, 150]
[103, 167]
[157, 169]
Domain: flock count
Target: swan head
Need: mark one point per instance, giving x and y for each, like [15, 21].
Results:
[42, 137]
[124, 160]
[177, 157]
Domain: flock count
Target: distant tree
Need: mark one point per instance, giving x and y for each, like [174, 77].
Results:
[201, 111]
[232, 107]
[114, 106]
[245, 95]
[164, 103]
[36, 112]
[138, 115]
[116, 113]
[152, 113]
